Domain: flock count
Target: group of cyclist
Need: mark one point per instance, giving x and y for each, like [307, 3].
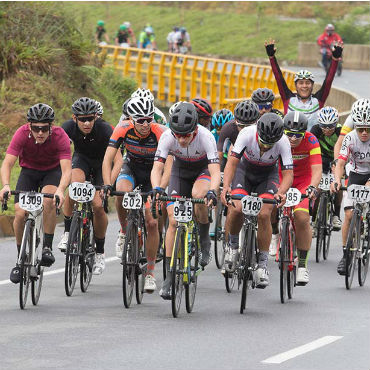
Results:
[258, 148]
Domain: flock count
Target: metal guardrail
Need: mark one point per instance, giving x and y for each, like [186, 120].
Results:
[175, 77]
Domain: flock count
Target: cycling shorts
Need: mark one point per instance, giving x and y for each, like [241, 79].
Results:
[91, 167]
[302, 183]
[264, 184]
[136, 175]
[326, 167]
[34, 180]
[358, 179]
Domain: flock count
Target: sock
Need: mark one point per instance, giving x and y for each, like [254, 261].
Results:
[263, 258]
[67, 223]
[204, 235]
[150, 267]
[302, 258]
[48, 240]
[234, 241]
[99, 245]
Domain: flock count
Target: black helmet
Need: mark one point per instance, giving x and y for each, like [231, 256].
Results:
[246, 112]
[270, 128]
[184, 119]
[202, 106]
[295, 121]
[40, 113]
[84, 106]
[263, 95]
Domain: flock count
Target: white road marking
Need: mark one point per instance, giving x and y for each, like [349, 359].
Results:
[58, 271]
[278, 359]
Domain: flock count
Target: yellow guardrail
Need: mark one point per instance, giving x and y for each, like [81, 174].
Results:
[182, 77]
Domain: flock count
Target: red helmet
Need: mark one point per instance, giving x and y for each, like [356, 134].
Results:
[329, 27]
[202, 106]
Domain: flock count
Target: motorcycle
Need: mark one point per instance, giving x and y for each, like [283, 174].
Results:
[326, 55]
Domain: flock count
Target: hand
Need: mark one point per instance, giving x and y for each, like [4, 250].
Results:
[211, 198]
[312, 192]
[281, 198]
[157, 192]
[5, 189]
[270, 47]
[59, 193]
[337, 50]
[334, 186]
[226, 190]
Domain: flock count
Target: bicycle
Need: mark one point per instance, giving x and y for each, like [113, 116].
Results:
[324, 217]
[358, 240]
[247, 265]
[30, 254]
[184, 264]
[80, 251]
[219, 237]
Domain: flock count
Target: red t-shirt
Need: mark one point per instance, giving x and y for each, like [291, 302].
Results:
[42, 157]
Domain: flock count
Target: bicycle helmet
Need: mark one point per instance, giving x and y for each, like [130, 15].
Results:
[122, 27]
[295, 121]
[246, 112]
[329, 27]
[263, 95]
[221, 117]
[40, 113]
[304, 75]
[143, 93]
[100, 23]
[127, 24]
[182, 29]
[174, 106]
[84, 106]
[149, 29]
[203, 107]
[139, 107]
[270, 128]
[360, 113]
[327, 116]
[184, 118]
[99, 107]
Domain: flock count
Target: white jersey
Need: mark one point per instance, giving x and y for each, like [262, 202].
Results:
[356, 152]
[310, 108]
[201, 151]
[246, 147]
[348, 125]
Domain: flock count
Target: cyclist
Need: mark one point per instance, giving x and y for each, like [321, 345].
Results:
[326, 40]
[356, 149]
[195, 173]
[182, 40]
[171, 42]
[140, 136]
[45, 158]
[99, 109]
[131, 33]
[264, 98]
[90, 137]
[204, 110]
[219, 119]
[327, 131]
[307, 171]
[122, 37]
[101, 32]
[304, 100]
[147, 39]
[251, 167]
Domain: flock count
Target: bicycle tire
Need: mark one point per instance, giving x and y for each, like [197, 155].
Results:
[321, 226]
[248, 245]
[219, 245]
[87, 256]
[230, 278]
[128, 263]
[36, 283]
[351, 250]
[363, 262]
[193, 260]
[328, 229]
[140, 271]
[177, 284]
[292, 268]
[24, 265]
[284, 260]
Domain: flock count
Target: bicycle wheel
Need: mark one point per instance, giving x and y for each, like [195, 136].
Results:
[328, 228]
[142, 265]
[219, 236]
[87, 256]
[230, 279]
[36, 281]
[246, 265]
[191, 286]
[284, 260]
[177, 285]
[351, 249]
[72, 256]
[24, 265]
[363, 262]
[292, 267]
[128, 263]
[321, 226]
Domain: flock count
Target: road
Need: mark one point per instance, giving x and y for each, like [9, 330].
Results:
[94, 330]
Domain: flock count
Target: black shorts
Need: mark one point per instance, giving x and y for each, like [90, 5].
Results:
[34, 180]
[137, 175]
[246, 182]
[91, 167]
[326, 167]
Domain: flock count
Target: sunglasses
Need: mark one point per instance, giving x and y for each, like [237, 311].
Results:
[86, 119]
[182, 135]
[297, 135]
[266, 145]
[144, 120]
[363, 129]
[328, 127]
[37, 129]
[264, 106]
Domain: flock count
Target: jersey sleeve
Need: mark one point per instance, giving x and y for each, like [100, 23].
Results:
[345, 150]
[286, 158]
[118, 135]
[17, 143]
[64, 147]
[240, 144]
[315, 150]
[347, 127]
[164, 146]
[211, 149]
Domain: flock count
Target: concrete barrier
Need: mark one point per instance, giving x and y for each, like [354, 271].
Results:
[355, 56]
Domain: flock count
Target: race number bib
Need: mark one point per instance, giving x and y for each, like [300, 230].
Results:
[293, 197]
[30, 202]
[82, 192]
[251, 206]
[326, 180]
[183, 211]
[358, 193]
[132, 201]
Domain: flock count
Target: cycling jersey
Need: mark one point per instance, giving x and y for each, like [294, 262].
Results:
[326, 41]
[357, 152]
[292, 102]
[42, 157]
[100, 31]
[247, 149]
[92, 145]
[228, 134]
[145, 39]
[122, 37]
[348, 126]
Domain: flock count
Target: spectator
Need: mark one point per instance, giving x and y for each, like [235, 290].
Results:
[122, 36]
[171, 39]
[100, 33]
[147, 39]
[326, 41]
[182, 40]
[131, 32]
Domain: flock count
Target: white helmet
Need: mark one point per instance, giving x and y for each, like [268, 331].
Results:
[304, 75]
[139, 108]
[328, 116]
[143, 93]
[99, 107]
[174, 106]
[360, 113]
[127, 24]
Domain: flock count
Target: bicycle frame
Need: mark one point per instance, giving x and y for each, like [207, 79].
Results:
[288, 217]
